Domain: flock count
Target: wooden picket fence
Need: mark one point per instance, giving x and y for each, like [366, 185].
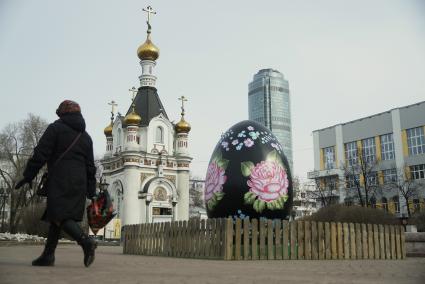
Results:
[263, 239]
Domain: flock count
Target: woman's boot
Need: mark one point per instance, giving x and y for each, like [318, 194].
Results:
[47, 258]
[88, 244]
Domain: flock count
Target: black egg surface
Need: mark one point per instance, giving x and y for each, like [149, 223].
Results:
[248, 175]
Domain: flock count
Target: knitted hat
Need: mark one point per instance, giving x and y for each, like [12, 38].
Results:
[68, 106]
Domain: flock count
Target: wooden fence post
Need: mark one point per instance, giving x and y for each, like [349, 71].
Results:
[334, 250]
[213, 244]
[370, 241]
[229, 239]
[314, 241]
[376, 240]
[359, 245]
[403, 242]
[208, 239]
[285, 242]
[321, 240]
[346, 241]
[294, 240]
[307, 240]
[397, 242]
[340, 241]
[270, 242]
[124, 243]
[246, 238]
[392, 231]
[254, 240]
[301, 239]
[381, 242]
[387, 242]
[328, 242]
[238, 239]
[263, 253]
[278, 238]
[364, 242]
[352, 241]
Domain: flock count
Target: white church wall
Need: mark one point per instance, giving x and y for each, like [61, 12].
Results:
[168, 133]
[143, 133]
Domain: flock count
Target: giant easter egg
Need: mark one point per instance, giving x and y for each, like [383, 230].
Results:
[248, 175]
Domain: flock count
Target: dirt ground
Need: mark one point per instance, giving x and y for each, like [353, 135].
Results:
[111, 266]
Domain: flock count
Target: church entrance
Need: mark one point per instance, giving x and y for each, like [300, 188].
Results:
[162, 214]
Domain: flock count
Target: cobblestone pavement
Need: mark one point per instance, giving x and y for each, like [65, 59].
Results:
[111, 266]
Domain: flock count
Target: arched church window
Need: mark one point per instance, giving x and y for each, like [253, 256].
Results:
[159, 135]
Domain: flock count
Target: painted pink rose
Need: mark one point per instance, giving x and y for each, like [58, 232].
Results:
[269, 181]
[214, 181]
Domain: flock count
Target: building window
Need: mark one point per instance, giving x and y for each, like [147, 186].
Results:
[348, 201]
[352, 180]
[387, 147]
[417, 171]
[369, 149]
[390, 176]
[351, 153]
[396, 204]
[329, 155]
[372, 179]
[415, 141]
[159, 135]
[384, 204]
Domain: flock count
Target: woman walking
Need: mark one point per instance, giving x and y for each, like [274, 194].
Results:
[71, 180]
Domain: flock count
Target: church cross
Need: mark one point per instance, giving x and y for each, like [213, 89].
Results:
[113, 104]
[183, 99]
[149, 11]
[133, 93]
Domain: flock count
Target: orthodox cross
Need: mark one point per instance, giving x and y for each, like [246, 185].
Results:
[133, 93]
[113, 104]
[183, 99]
[149, 11]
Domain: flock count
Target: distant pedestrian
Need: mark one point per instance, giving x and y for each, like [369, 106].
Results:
[70, 181]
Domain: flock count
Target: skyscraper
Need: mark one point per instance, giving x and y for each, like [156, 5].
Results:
[269, 104]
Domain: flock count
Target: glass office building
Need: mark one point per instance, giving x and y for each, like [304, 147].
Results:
[269, 104]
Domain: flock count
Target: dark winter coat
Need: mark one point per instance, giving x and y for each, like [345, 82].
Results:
[72, 179]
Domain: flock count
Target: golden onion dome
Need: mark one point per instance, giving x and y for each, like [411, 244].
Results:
[132, 118]
[108, 130]
[148, 50]
[182, 126]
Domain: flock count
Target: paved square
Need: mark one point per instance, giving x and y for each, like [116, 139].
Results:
[111, 266]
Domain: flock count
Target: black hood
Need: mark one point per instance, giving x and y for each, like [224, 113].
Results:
[74, 120]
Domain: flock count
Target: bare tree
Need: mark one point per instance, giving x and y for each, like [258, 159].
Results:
[325, 190]
[196, 191]
[17, 141]
[405, 185]
[362, 175]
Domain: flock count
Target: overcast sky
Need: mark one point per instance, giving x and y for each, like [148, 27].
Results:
[343, 60]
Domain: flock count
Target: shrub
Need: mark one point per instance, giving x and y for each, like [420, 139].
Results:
[418, 219]
[352, 214]
[31, 222]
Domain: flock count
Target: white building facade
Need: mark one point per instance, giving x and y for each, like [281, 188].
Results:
[394, 140]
